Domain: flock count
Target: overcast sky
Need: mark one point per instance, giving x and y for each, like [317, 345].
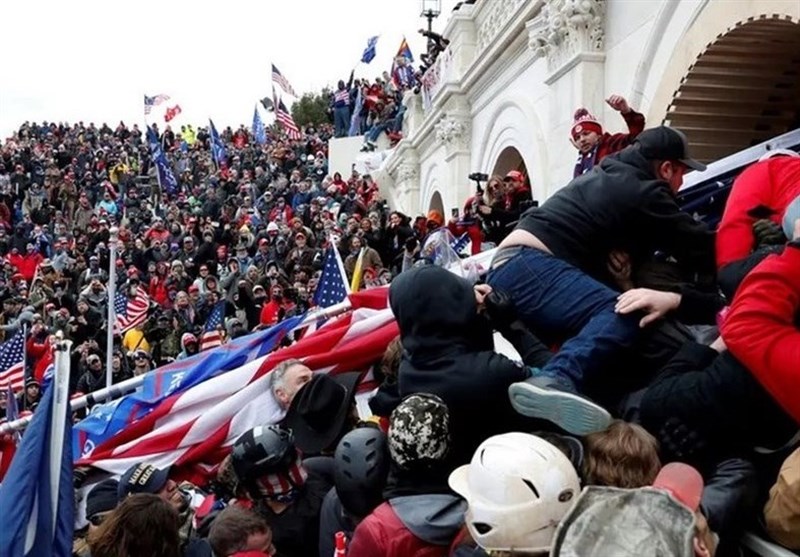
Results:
[93, 60]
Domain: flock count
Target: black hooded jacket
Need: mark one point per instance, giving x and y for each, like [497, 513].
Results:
[620, 205]
[448, 351]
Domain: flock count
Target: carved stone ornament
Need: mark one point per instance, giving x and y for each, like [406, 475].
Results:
[566, 27]
[407, 171]
[451, 130]
[500, 13]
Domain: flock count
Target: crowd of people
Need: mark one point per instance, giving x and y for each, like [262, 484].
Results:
[653, 410]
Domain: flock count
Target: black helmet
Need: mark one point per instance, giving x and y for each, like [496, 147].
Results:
[262, 450]
[361, 464]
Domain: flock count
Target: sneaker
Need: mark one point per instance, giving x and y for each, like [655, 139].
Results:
[556, 400]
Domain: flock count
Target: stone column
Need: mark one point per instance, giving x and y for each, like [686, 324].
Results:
[454, 131]
[570, 35]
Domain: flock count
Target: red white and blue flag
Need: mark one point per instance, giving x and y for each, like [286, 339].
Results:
[283, 83]
[193, 430]
[155, 100]
[131, 311]
[212, 336]
[107, 420]
[286, 121]
[11, 356]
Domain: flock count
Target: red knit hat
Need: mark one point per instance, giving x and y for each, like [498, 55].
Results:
[584, 121]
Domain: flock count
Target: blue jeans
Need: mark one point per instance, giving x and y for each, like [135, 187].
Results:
[552, 295]
[341, 120]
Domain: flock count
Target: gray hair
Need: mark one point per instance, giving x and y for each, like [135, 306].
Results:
[279, 373]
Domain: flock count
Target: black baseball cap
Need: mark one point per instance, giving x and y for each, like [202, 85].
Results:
[664, 143]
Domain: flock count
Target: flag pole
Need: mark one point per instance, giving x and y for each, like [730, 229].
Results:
[24, 353]
[124, 387]
[112, 291]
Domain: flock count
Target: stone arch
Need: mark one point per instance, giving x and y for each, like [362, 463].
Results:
[515, 126]
[436, 203]
[727, 74]
[430, 189]
[509, 159]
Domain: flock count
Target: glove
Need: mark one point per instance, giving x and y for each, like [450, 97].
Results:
[768, 233]
[500, 309]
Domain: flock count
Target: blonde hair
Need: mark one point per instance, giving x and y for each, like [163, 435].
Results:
[624, 455]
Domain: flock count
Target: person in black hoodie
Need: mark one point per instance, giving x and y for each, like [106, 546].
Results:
[448, 351]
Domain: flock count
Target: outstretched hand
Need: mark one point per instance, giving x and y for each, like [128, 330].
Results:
[618, 103]
[654, 302]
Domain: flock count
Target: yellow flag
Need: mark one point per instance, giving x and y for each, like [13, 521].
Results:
[355, 284]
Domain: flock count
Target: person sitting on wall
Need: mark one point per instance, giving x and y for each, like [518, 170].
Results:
[593, 144]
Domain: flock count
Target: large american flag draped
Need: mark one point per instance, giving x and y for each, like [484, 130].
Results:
[332, 286]
[11, 355]
[130, 311]
[194, 429]
[282, 82]
[211, 336]
[150, 102]
[285, 119]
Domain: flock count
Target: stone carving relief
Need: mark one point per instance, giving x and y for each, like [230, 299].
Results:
[452, 131]
[407, 171]
[566, 27]
[500, 12]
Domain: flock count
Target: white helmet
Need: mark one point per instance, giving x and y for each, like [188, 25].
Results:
[518, 488]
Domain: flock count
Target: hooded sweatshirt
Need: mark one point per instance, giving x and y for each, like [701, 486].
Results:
[448, 351]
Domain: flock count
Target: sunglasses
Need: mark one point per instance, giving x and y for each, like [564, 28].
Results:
[96, 519]
[140, 357]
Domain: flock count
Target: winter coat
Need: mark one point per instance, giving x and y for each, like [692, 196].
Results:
[761, 327]
[763, 190]
[610, 144]
[448, 351]
[419, 525]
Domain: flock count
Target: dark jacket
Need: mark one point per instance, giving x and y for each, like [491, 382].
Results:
[621, 205]
[706, 392]
[448, 351]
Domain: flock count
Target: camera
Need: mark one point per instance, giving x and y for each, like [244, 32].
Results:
[478, 177]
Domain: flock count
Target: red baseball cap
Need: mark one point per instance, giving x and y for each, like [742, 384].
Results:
[515, 175]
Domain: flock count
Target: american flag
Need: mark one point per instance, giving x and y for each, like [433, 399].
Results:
[13, 371]
[150, 102]
[193, 430]
[332, 286]
[211, 336]
[130, 311]
[285, 119]
[282, 82]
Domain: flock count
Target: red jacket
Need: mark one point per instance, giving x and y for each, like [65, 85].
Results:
[382, 534]
[26, 264]
[610, 144]
[772, 184]
[760, 331]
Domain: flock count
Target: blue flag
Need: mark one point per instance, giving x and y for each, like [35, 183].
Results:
[355, 119]
[165, 174]
[37, 496]
[259, 131]
[369, 52]
[106, 420]
[217, 147]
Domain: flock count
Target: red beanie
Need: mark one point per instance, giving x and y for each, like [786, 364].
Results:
[584, 121]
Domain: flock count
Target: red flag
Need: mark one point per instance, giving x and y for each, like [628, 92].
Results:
[193, 430]
[172, 112]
